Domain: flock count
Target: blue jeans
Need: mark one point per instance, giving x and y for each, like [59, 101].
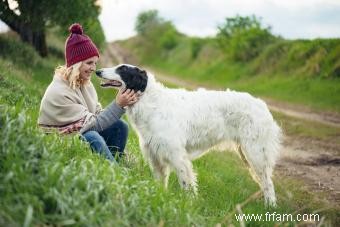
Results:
[109, 142]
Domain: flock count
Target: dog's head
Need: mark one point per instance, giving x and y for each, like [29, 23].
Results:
[123, 76]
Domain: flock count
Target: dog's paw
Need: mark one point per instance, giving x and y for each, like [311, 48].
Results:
[191, 189]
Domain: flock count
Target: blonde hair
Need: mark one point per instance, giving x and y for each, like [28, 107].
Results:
[71, 74]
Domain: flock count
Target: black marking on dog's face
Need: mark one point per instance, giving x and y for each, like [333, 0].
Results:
[133, 77]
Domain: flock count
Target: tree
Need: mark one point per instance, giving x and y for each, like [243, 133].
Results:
[156, 29]
[244, 37]
[31, 18]
[146, 20]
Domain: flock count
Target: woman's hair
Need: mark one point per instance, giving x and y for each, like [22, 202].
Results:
[71, 74]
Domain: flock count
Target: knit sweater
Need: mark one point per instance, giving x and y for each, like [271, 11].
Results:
[67, 110]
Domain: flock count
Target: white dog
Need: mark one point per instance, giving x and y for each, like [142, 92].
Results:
[176, 126]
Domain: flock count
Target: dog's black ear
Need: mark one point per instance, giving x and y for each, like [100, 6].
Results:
[139, 82]
[134, 77]
[144, 80]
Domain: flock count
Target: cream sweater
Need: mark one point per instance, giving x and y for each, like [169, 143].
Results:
[62, 106]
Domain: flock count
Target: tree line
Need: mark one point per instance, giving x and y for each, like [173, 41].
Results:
[243, 37]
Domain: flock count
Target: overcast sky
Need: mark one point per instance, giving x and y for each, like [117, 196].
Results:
[289, 18]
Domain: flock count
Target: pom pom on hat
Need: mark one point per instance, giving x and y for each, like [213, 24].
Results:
[76, 29]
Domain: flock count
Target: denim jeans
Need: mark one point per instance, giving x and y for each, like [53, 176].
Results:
[109, 142]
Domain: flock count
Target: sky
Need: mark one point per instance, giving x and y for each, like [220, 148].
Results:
[291, 19]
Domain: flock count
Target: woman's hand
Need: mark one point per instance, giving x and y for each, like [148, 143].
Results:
[126, 97]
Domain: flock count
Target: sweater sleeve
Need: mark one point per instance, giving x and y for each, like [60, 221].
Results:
[104, 119]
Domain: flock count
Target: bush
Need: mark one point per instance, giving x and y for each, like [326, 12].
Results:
[146, 20]
[196, 46]
[157, 30]
[244, 37]
[169, 38]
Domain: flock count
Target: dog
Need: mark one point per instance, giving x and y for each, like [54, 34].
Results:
[176, 126]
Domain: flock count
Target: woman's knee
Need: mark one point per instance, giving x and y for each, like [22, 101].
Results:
[93, 138]
[123, 125]
[90, 135]
[122, 128]
[97, 143]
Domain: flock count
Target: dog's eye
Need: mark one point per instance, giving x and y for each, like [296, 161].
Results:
[123, 68]
[141, 71]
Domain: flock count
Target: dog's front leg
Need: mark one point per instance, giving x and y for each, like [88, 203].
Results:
[161, 171]
[185, 173]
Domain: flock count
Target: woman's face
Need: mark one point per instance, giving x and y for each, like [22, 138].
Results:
[87, 67]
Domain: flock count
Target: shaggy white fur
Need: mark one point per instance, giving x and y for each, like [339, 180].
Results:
[176, 126]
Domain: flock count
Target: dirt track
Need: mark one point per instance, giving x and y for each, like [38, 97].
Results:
[314, 162]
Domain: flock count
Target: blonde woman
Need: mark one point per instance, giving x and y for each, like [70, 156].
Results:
[70, 103]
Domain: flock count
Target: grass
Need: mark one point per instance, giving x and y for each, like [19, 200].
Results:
[54, 180]
[317, 94]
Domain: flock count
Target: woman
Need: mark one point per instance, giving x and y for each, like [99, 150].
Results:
[70, 103]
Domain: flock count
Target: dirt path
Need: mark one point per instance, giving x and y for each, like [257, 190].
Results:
[314, 162]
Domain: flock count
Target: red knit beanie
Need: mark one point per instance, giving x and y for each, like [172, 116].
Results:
[78, 46]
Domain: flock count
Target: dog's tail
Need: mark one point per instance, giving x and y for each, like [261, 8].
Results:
[267, 147]
[272, 144]
[261, 155]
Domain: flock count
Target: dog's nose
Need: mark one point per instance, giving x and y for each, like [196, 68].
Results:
[99, 72]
